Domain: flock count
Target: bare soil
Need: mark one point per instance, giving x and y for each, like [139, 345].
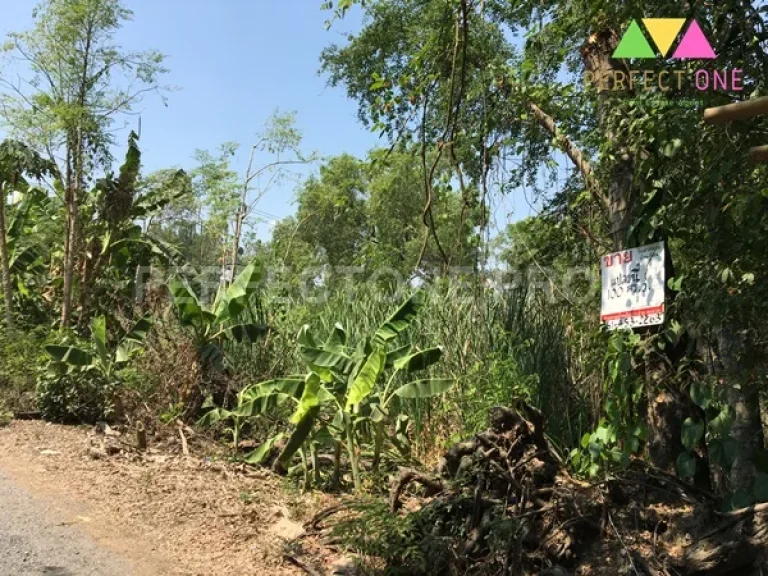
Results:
[165, 512]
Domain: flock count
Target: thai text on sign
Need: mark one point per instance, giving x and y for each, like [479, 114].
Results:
[633, 287]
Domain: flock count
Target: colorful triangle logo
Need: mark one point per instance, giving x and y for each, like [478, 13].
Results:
[663, 31]
[633, 44]
[694, 45]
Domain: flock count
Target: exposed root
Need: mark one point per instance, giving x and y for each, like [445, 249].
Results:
[407, 475]
[505, 499]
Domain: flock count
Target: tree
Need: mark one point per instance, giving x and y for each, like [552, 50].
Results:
[78, 82]
[216, 186]
[332, 208]
[278, 137]
[453, 80]
[395, 211]
[369, 214]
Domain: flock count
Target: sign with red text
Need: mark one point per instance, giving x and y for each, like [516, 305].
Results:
[633, 287]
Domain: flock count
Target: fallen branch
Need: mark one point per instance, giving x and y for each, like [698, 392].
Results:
[300, 564]
[432, 485]
[322, 515]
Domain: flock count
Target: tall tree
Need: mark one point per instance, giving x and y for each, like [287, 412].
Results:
[369, 214]
[281, 140]
[449, 74]
[76, 82]
[216, 186]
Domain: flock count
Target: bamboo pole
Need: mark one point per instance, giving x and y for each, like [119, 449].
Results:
[743, 110]
[759, 154]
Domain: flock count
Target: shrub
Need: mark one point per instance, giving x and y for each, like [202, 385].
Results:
[19, 361]
[82, 376]
[82, 396]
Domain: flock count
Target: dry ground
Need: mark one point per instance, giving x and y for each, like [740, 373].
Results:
[165, 512]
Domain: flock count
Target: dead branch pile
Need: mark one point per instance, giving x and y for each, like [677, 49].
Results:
[508, 506]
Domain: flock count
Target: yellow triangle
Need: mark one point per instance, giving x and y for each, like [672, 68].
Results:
[663, 31]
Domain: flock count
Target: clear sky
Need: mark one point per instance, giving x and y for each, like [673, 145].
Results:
[235, 62]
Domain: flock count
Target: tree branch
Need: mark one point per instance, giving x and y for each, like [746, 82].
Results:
[572, 151]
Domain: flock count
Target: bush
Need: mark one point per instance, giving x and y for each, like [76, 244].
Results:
[81, 396]
[20, 356]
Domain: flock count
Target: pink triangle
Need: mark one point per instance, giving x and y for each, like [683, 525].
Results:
[694, 45]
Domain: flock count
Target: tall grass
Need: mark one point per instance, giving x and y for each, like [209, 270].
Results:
[502, 347]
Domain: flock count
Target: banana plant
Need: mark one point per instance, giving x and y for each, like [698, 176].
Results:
[355, 385]
[98, 356]
[251, 403]
[114, 239]
[220, 322]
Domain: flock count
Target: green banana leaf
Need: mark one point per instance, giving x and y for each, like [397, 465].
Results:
[185, 300]
[261, 405]
[99, 338]
[425, 388]
[320, 357]
[235, 298]
[402, 319]
[365, 381]
[213, 416]
[292, 386]
[298, 437]
[313, 396]
[395, 355]
[337, 340]
[258, 455]
[419, 360]
[70, 355]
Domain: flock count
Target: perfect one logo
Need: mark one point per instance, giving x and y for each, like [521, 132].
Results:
[663, 31]
[665, 77]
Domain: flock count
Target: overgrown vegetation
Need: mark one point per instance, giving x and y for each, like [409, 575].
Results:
[376, 328]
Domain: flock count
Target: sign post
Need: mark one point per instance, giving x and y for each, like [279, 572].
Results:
[633, 287]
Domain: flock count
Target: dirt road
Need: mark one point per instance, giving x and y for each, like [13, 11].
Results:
[36, 538]
[64, 512]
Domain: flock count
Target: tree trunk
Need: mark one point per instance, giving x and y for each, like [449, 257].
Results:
[236, 242]
[744, 399]
[664, 411]
[76, 184]
[240, 217]
[5, 269]
[74, 176]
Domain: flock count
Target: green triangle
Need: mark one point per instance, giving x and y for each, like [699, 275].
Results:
[634, 44]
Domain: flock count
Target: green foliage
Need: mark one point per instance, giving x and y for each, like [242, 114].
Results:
[368, 215]
[76, 77]
[350, 387]
[218, 323]
[722, 448]
[621, 434]
[96, 356]
[20, 357]
[82, 379]
[428, 541]
[77, 396]
[253, 402]
[406, 544]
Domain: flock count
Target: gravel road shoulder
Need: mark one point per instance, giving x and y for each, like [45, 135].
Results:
[36, 538]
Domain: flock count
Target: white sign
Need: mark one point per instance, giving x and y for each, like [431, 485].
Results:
[633, 287]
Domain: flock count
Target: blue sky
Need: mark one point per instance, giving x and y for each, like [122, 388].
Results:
[235, 62]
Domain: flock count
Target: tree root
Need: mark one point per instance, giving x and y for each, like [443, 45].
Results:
[432, 485]
[504, 498]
